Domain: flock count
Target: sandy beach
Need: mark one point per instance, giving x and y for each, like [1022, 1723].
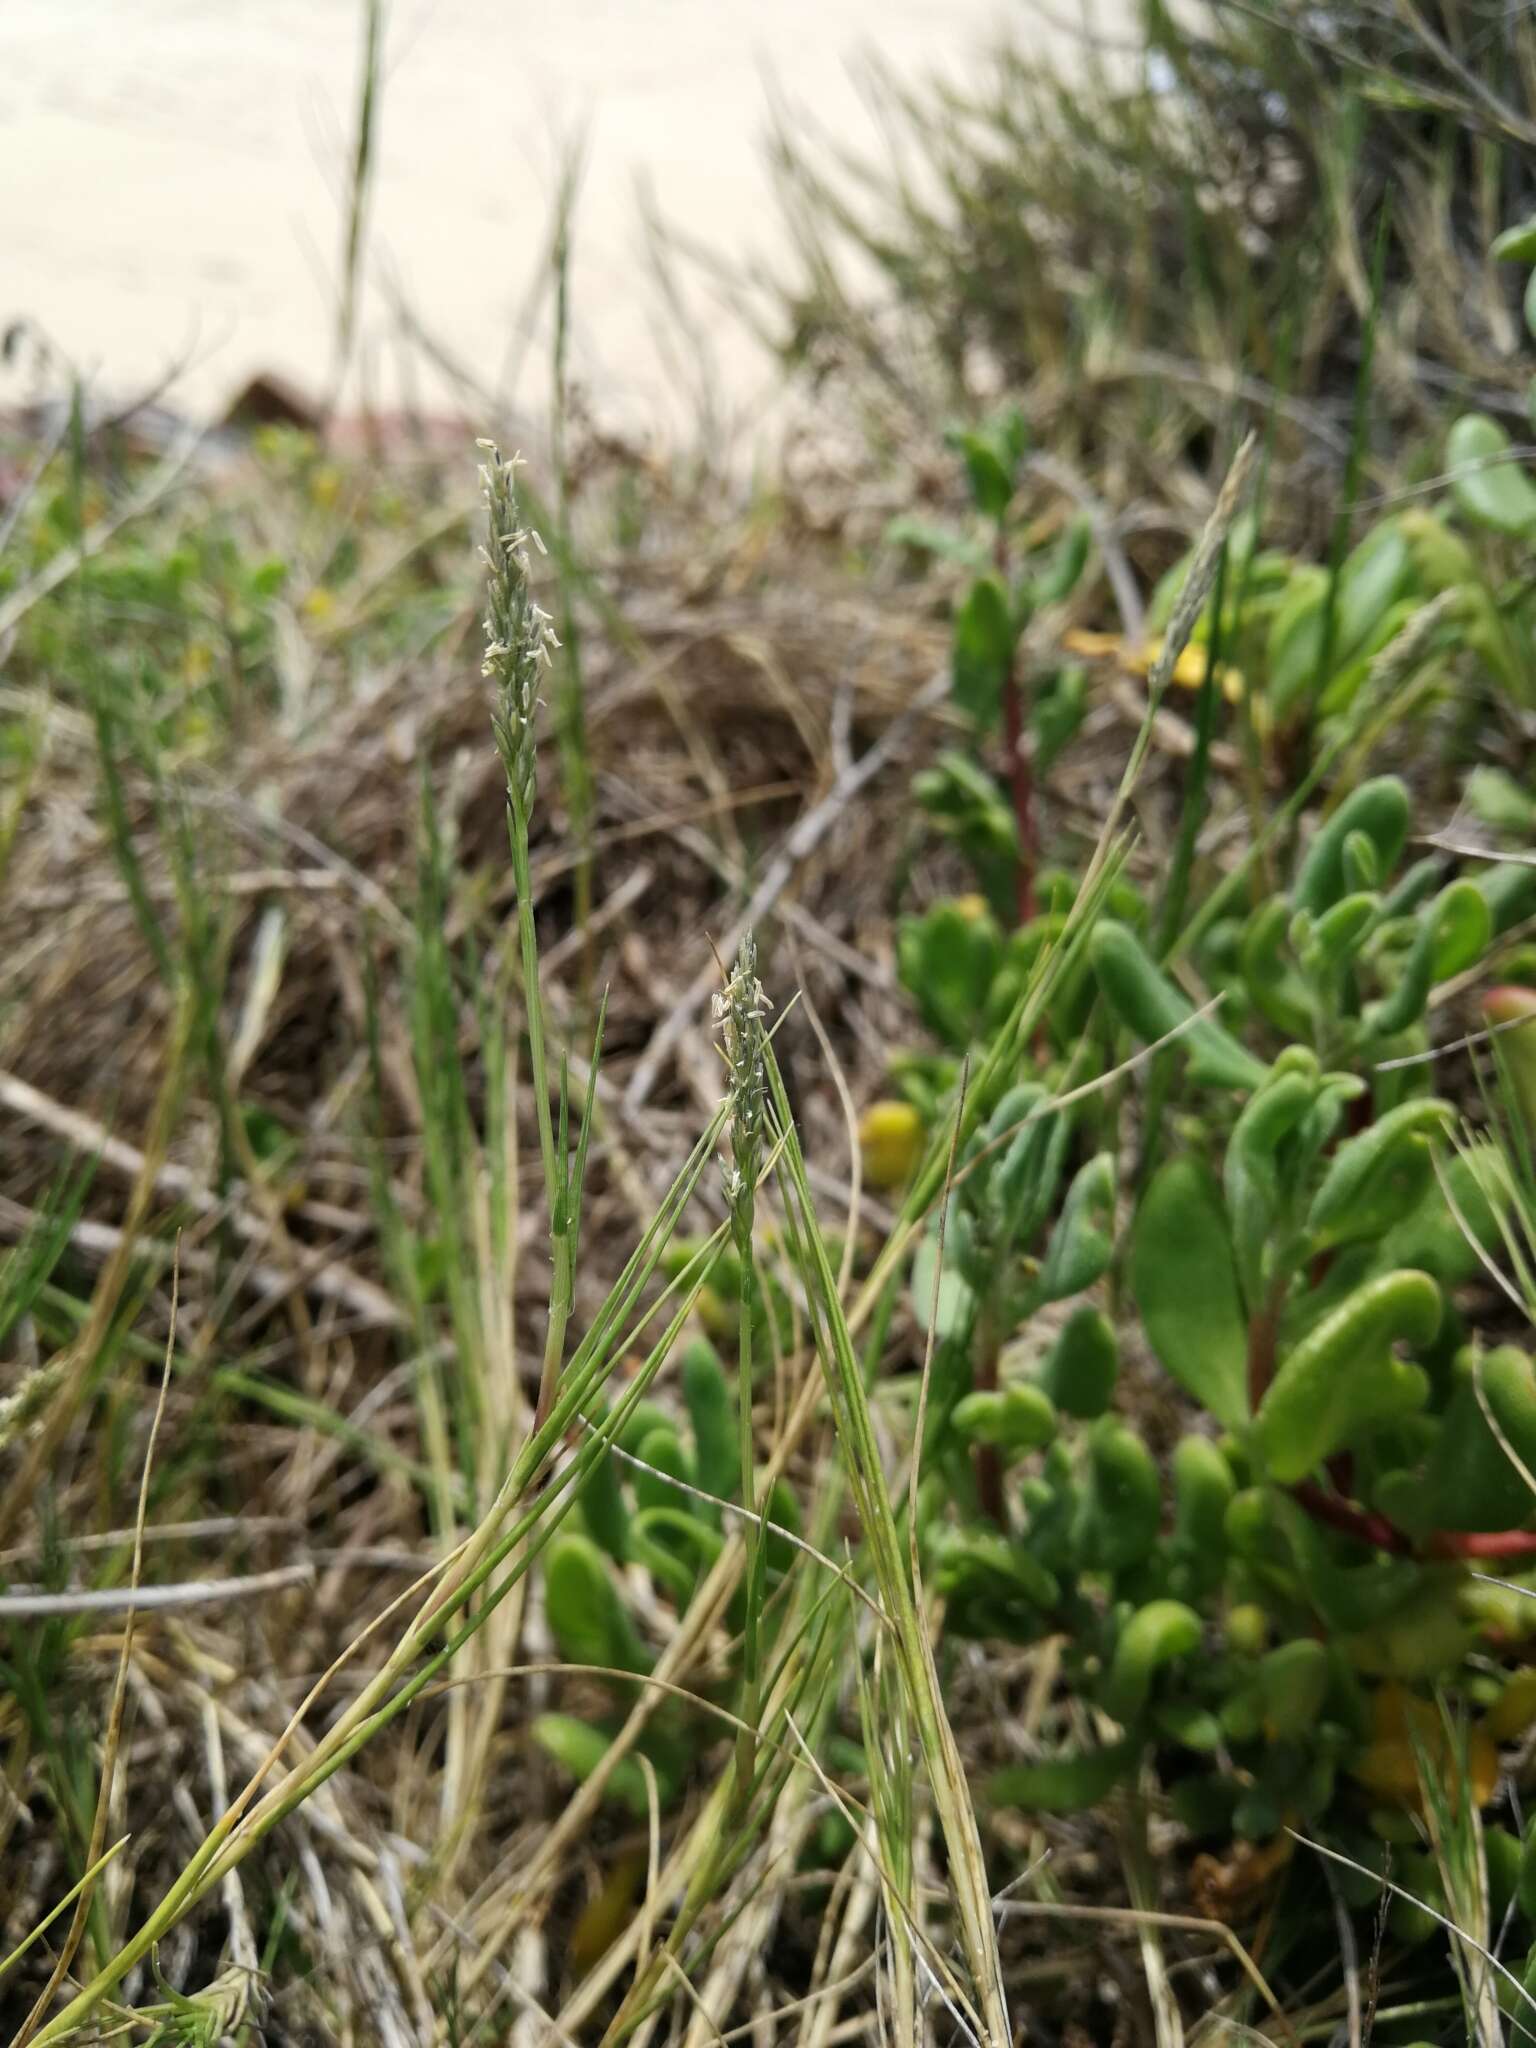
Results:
[173, 176]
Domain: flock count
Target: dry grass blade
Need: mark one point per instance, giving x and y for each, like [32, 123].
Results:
[171, 1598]
[114, 1730]
[176, 1183]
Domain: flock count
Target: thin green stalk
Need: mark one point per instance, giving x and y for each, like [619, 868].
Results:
[363, 151]
[448, 1147]
[798, 1698]
[918, 1675]
[87, 1878]
[570, 699]
[740, 1010]
[886, 1727]
[520, 647]
[1358, 433]
[1250, 739]
[480, 1555]
[120, 832]
[1176, 894]
[522, 876]
[379, 1702]
[529, 1536]
[1196, 805]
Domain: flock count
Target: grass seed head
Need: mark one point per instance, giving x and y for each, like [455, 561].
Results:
[519, 638]
[740, 1010]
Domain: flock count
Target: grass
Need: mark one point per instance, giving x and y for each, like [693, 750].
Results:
[270, 1375]
[1172, 224]
[350, 1261]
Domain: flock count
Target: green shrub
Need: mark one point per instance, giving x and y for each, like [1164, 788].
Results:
[1285, 1613]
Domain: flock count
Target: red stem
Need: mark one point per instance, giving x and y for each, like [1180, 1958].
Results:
[989, 1484]
[1350, 1519]
[1483, 1543]
[1335, 1511]
[1263, 1336]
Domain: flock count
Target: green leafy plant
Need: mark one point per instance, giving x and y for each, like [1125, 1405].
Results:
[1364, 1455]
[1301, 638]
[995, 822]
[1288, 1614]
[1346, 960]
[1301, 641]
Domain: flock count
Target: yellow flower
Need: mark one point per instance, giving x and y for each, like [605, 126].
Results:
[1409, 1737]
[1188, 670]
[319, 605]
[890, 1143]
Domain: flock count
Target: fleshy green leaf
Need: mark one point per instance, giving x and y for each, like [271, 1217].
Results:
[587, 1617]
[1081, 1367]
[579, 1748]
[712, 1414]
[1121, 1502]
[1470, 1481]
[1145, 999]
[1345, 1377]
[929, 538]
[1380, 809]
[1293, 1680]
[1517, 244]
[955, 1308]
[1157, 1634]
[1081, 1244]
[1487, 483]
[948, 959]
[1379, 1177]
[983, 650]
[1185, 1282]
[1014, 1419]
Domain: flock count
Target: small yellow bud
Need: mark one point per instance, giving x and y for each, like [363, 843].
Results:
[1188, 670]
[1247, 1629]
[890, 1143]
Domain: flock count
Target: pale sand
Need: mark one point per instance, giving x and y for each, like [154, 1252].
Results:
[172, 171]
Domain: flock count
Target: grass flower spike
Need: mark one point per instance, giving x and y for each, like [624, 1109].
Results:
[519, 635]
[740, 1010]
